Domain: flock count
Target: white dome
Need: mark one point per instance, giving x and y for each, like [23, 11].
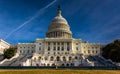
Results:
[59, 19]
[59, 27]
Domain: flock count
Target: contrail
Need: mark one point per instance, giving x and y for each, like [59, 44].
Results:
[32, 18]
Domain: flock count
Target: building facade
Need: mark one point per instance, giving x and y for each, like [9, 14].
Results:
[3, 45]
[59, 47]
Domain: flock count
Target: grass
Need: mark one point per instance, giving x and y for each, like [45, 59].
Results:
[52, 71]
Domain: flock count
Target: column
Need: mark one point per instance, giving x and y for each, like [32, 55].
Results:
[56, 46]
[60, 46]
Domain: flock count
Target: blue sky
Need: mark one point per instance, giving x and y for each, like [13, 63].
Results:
[95, 21]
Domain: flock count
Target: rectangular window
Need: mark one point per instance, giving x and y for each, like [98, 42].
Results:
[77, 48]
[62, 48]
[84, 51]
[39, 48]
[48, 48]
[88, 51]
[93, 51]
[54, 48]
[48, 52]
[39, 43]
[67, 43]
[96, 52]
[54, 43]
[58, 48]
[48, 43]
[68, 48]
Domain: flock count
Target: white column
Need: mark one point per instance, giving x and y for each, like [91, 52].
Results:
[56, 46]
[60, 46]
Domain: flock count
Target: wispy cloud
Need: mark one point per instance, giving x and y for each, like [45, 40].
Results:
[31, 19]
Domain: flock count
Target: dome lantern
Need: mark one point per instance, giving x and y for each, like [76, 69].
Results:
[59, 11]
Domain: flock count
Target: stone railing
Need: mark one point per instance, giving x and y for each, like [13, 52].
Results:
[16, 55]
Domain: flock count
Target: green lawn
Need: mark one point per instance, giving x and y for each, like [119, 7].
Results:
[47, 71]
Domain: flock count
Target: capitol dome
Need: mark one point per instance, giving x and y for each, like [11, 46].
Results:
[59, 27]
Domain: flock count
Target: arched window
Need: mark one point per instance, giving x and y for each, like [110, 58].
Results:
[67, 64]
[64, 59]
[70, 58]
[58, 58]
[45, 58]
[48, 64]
[39, 58]
[53, 64]
[76, 57]
[63, 64]
[34, 59]
[51, 58]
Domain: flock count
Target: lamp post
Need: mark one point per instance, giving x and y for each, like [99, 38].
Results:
[56, 64]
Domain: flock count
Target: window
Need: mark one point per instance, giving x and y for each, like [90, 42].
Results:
[88, 51]
[65, 52]
[54, 48]
[93, 51]
[39, 48]
[54, 53]
[48, 52]
[58, 48]
[70, 58]
[67, 43]
[76, 48]
[62, 48]
[54, 44]
[32, 51]
[68, 49]
[28, 51]
[48, 48]
[64, 59]
[84, 51]
[76, 58]
[76, 43]
[39, 43]
[39, 58]
[45, 58]
[48, 43]
[92, 47]
[58, 58]
[51, 58]
[20, 51]
[62, 43]
[96, 52]
[58, 43]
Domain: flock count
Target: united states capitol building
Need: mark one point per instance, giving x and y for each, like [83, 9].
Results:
[58, 48]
